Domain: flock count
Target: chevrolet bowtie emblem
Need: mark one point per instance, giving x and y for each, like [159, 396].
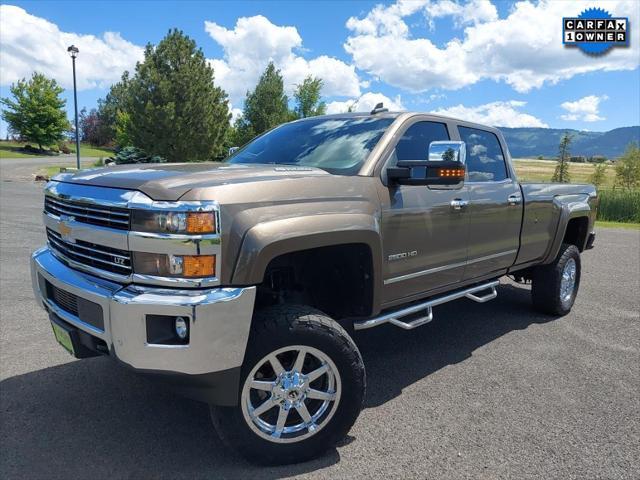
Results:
[65, 229]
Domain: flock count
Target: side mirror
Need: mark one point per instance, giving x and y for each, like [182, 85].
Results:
[445, 165]
[232, 150]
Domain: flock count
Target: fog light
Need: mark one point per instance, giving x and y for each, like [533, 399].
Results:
[181, 328]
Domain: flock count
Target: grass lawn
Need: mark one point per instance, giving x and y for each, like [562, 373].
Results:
[530, 170]
[628, 226]
[10, 149]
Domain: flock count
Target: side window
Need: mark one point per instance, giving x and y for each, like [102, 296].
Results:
[414, 144]
[485, 160]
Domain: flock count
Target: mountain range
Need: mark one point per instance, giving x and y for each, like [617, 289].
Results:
[533, 142]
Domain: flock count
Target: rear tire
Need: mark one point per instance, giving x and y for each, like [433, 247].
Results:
[555, 286]
[307, 407]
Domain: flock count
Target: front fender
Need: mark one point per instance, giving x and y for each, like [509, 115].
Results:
[265, 241]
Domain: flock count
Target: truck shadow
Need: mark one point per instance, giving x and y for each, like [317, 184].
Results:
[396, 358]
[92, 419]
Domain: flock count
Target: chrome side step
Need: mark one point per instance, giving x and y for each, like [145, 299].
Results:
[394, 317]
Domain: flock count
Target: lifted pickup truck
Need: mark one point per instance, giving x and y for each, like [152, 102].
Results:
[242, 283]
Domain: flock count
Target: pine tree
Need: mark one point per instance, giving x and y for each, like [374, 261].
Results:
[36, 111]
[175, 110]
[561, 173]
[264, 108]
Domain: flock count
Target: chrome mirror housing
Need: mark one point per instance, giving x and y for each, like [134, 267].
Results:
[448, 151]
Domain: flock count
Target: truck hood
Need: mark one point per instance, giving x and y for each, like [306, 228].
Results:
[171, 181]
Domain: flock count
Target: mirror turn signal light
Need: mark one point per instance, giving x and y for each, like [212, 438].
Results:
[451, 172]
[198, 265]
[201, 222]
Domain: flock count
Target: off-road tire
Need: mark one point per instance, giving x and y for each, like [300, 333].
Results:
[547, 281]
[281, 326]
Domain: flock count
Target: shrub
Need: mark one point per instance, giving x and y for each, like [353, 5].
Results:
[619, 206]
[129, 155]
[31, 149]
[64, 148]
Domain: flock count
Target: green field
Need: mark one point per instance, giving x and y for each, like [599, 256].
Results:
[626, 226]
[10, 149]
[617, 205]
[530, 170]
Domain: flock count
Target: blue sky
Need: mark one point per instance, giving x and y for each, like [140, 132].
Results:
[497, 62]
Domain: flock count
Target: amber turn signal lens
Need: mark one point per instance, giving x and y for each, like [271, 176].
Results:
[451, 172]
[199, 266]
[201, 222]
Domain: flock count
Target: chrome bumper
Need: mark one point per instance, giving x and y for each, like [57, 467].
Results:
[219, 318]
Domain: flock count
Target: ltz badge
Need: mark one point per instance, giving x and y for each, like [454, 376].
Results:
[595, 31]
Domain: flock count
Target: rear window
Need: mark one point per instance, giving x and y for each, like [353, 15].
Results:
[485, 159]
[337, 145]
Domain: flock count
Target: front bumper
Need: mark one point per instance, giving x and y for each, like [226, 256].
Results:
[219, 319]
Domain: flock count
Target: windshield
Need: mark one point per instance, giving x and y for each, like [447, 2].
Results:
[337, 145]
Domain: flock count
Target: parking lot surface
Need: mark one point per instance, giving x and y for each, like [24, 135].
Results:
[489, 390]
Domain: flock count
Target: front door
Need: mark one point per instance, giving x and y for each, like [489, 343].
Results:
[424, 237]
[495, 205]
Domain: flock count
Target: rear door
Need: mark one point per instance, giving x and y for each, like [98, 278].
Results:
[495, 205]
[424, 238]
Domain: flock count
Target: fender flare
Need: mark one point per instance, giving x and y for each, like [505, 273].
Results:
[570, 207]
[267, 240]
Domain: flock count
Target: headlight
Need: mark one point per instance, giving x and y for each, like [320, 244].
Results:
[185, 266]
[173, 222]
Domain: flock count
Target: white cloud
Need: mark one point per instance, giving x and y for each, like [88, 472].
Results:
[584, 109]
[523, 49]
[365, 103]
[29, 43]
[499, 114]
[472, 12]
[254, 41]
[236, 113]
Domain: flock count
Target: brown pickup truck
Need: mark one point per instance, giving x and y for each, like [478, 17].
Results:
[242, 283]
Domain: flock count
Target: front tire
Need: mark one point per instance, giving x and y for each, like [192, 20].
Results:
[555, 286]
[301, 389]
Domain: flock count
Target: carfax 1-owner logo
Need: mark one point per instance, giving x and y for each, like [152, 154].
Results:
[595, 31]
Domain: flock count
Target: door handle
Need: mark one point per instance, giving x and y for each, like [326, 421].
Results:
[458, 203]
[514, 199]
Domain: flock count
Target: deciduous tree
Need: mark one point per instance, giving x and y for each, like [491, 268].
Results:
[628, 168]
[91, 129]
[36, 110]
[598, 175]
[307, 97]
[113, 109]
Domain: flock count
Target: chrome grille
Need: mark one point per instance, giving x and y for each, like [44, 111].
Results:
[97, 256]
[105, 216]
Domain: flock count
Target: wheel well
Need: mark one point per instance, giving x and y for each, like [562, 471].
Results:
[337, 280]
[576, 232]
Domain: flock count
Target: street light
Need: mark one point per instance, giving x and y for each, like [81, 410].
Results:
[73, 52]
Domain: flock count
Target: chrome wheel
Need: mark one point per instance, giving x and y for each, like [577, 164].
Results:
[568, 281]
[291, 394]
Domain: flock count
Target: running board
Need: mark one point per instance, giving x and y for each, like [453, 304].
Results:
[394, 317]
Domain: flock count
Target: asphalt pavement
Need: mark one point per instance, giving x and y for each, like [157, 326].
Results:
[489, 390]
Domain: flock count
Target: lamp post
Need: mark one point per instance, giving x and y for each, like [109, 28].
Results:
[73, 52]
